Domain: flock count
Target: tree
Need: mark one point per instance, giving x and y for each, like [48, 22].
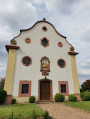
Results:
[86, 85]
[2, 83]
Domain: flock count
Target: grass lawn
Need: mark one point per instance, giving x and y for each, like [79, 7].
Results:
[85, 105]
[26, 110]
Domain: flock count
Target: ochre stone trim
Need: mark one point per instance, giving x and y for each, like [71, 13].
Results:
[71, 48]
[14, 47]
[8, 99]
[59, 86]
[64, 63]
[20, 88]
[43, 28]
[28, 40]
[73, 53]
[78, 96]
[21, 100]
[51, 92]
[42, 44]
[25, 64]
[8, 86]
[13, 42]
[74, 74]
[60, 44]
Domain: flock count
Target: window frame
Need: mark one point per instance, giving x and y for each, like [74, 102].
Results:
[20, 89]
[67, 89]
[27, 40]
[47, 43]
[25, 64]
[43, 29]
[60, 44]
[64, 63]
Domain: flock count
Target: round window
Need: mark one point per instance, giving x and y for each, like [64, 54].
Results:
[44, 28]
[60, 44]
[28, 40]
[44, 42]
[26, 61]
[61, 63]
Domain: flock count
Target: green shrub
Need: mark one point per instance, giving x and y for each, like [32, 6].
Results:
[81, 90]
[59, 97]
[32, 99]
[13, 101]
[72, 98]
[85, 96]
[46, 115]
[3, 95]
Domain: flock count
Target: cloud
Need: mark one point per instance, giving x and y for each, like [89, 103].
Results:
[64, 7]
[84, 71]
[85, 64]
[38, 2]
[15, 15]
[2, 69]
[86, 36]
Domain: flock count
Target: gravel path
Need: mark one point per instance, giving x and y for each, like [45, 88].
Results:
[62, 111]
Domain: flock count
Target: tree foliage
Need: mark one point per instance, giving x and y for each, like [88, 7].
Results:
[86, 85]
[2, 83]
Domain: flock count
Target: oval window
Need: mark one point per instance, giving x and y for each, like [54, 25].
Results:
[44, 42]
[61, 63]
[26, 61]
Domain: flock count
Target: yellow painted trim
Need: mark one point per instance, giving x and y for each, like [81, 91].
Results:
[74, 74]
[26, 99]
[10, 71]
[21, 99]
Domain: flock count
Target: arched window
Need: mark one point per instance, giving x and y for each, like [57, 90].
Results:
[45, 64]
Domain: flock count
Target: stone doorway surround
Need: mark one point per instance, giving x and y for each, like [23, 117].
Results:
[51, 94]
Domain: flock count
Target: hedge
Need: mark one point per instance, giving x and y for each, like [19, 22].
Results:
[59, 97]
[85, 96]
[3, 95]
[72, 97]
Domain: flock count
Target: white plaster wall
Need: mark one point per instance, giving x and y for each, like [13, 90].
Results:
[36, 52]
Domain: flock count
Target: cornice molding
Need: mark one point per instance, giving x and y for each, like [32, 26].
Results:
[73, 53]
[11, 47]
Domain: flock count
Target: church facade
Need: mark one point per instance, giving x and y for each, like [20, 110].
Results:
[41, 63]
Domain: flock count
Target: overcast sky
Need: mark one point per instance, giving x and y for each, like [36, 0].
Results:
[71, 18]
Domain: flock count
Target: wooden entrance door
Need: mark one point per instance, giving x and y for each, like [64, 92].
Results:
[45, 90]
